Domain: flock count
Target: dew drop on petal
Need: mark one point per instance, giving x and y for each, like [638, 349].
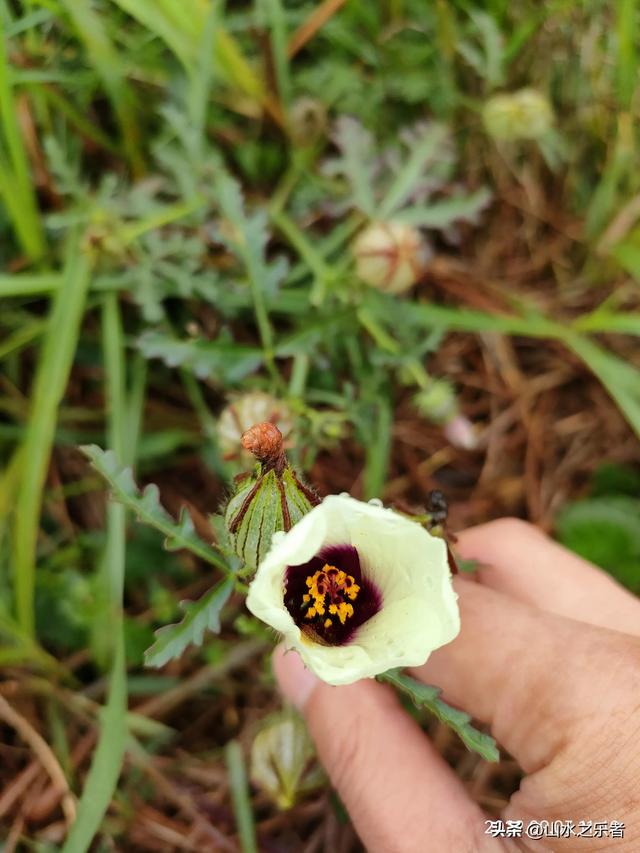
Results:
[375, 502]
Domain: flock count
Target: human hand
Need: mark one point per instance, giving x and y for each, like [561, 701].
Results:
[549, 656]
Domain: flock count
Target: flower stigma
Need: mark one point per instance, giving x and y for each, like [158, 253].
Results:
[330, 586]
[329, 597]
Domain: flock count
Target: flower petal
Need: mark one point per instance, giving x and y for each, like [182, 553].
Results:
[408, 566]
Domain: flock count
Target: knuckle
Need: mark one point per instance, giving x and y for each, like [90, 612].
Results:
[512, 527]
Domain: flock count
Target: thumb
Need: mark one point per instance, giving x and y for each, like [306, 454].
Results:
[395, 786]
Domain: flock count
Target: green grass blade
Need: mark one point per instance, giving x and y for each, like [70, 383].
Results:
[279, 38]
[74, 116]
[620, 379]
[240, 797]
[27, 284]
[621, 161]
[150, 14]
[183, 36]
[107, 762]
[378, 451]
[626, 55]
[109, 67]
[43, 284]
[21, 338]
[20, 200]
[23, 648]
[605, 321]
[49, 385]
[469, 320]
[201, 78]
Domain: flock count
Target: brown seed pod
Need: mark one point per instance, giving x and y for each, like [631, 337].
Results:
[266, 443]
[243, 411]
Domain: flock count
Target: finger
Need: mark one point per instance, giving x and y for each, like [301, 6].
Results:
[396, 788]
[529, 673]
[518, 559]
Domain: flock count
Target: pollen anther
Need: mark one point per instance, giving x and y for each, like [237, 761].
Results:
[329, 589]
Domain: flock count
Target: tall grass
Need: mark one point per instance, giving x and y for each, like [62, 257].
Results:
[49, 384]
[16, 183]
[107, 761]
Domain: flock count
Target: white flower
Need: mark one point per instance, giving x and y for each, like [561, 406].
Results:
[356, 590]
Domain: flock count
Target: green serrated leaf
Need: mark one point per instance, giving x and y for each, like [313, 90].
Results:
[428, 696]
[356, 164]
[199, 616]
[223, 361]
[442, 214]
[417, 163]
[147, 507]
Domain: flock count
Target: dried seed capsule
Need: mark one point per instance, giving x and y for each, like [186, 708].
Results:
[390, 256]
[265, 442]
[243, 411]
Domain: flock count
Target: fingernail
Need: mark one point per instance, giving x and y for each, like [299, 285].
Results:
[295, 681]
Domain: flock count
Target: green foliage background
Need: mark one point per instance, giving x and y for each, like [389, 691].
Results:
[181, 183]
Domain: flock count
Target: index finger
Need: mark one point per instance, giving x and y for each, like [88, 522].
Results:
[397, 789]
[518, 559]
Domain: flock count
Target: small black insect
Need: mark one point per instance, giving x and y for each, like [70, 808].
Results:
[437, 507]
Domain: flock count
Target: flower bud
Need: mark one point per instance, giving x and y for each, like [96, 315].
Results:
[245, 410]
[269, 500]
[390, 256]
[525, 114]
[460, 433]
[437, 402]
[283, 761]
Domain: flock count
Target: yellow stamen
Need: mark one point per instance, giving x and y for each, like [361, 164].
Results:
[332, 584]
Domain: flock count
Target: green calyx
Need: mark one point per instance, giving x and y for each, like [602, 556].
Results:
[264, 503]
[283, 761]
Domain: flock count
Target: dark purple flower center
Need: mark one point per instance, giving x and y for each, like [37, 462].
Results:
[328, 597]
